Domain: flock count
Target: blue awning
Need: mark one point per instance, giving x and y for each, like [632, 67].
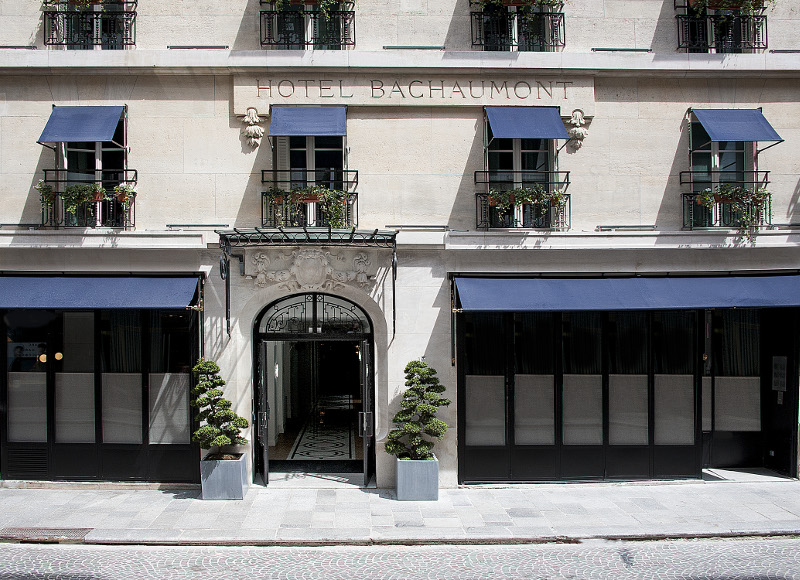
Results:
[81, 124]
[565, 294]
[736, 125]
[308, 121]
[526, 123]
[71, 293]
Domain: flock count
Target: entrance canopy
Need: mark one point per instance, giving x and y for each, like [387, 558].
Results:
[576, 294]
[65, 293]
[308, 121]
[526, 123]
[736, 125]
[71, 124]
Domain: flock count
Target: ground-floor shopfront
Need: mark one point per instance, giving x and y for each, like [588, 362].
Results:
[98, 377]
[597, 393]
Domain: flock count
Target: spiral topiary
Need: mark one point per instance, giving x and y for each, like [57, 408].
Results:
[222, 426]
[417, 415]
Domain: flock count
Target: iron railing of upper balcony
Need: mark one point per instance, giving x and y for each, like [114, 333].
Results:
[724, 212]
[103, 23]
[555, 216]
[521, 31]
[298, 206]
[300, 28]
[110, 211]
[725, 30]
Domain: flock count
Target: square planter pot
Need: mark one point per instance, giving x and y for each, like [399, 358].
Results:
[224, 478]
[417, 480]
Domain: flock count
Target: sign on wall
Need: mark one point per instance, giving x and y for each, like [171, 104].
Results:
[409, 90]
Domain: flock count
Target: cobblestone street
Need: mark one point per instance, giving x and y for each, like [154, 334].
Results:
[729, 559]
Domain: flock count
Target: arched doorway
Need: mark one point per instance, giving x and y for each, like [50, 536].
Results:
[313, 386]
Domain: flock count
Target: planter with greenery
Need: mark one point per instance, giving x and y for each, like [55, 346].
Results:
[125, 194]
[525, 5]
[223, 472]
[749, 206]
[505, 200]
[77, 195]
[325, 6]
[743, 6]
[333, 204]
[415, 432]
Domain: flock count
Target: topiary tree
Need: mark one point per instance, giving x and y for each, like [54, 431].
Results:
[417, 415]
[222, 426]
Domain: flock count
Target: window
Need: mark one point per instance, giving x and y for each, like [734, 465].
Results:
[720, 29]
[521, 186]
[304, 163]
[85, 25]
[535, 28]
[297, 26]
[724, 187]
[90, 162]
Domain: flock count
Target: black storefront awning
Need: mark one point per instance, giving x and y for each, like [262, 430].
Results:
[308, 121]
[526, 123]
[85, 293]
[71, 124]
[736, 125]
[582, 294]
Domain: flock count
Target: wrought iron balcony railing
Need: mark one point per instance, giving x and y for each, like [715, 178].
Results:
[109, 212]
[305, 211]
[341, 179]
[723, 213]
[533, 32]
[723, 33]
[105, 24]
[298, 29]
[525, 215]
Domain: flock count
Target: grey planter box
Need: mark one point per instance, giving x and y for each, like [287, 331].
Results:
[224, 479]
[417, 480]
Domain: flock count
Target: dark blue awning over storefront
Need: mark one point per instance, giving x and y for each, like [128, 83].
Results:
[70, 124]
[59, 292]
[565, 294]
[526, 123]
[736, 125]
[308, 121]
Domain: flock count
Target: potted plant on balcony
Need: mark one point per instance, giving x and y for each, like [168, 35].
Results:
[743, 6]
[77, 195]
[223, 472]
[325, 6]
[125, 194]
[504, 200]
[524, 4]
[417, 476]
[333, 205]
[747, 205]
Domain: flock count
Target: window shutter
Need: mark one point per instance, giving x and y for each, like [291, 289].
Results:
[282, 178]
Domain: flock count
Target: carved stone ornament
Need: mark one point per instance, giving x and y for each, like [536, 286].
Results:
[311, 269]
[252, 131]
[577, 133]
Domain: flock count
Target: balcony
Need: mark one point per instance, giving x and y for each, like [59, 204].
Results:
[293, 198]
[723, 212]
[103, 24]
[552, 212]
[521, 31]
[60, 210]
[297, 29]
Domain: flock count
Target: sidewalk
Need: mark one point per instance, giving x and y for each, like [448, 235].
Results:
[296, 516]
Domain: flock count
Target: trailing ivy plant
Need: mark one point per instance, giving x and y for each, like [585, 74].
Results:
[332, 203]
[76, 195]
[123, 193]
[747, 205]
[417, 416]
[505, 200]
[524, 5]
[221, 426]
